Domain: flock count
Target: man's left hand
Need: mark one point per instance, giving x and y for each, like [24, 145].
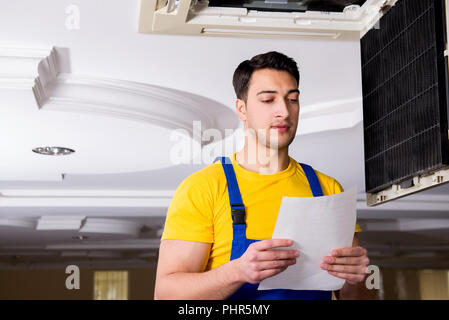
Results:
[347, 263]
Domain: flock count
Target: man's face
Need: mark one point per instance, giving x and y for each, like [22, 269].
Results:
[272, 108]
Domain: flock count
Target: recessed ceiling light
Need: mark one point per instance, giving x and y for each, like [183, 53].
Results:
[80, 237]
[53, 151]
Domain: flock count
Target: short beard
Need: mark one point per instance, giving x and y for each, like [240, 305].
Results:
[269, 141]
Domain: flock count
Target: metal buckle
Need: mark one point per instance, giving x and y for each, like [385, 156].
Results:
[238, 215]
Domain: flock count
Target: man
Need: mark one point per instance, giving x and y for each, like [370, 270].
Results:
[205, 252]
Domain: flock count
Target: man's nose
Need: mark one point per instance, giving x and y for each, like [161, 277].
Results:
[282, 109]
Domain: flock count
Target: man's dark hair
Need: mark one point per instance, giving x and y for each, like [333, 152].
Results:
[270, 60]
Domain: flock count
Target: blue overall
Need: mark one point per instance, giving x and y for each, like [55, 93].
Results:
[240, 243]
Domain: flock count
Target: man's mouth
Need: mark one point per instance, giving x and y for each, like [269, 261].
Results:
[281, 128]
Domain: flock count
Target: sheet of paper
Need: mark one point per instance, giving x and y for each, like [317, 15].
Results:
[317, 225]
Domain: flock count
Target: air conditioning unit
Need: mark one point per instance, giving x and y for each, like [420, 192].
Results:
[405, 101]
[332, 19]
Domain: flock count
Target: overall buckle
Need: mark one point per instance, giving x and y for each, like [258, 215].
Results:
[238, 214]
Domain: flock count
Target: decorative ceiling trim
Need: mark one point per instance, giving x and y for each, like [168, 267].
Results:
[82, 224]
[334, 115]
[60, 222]
[169, 108]
[24, 68]
[84, 198]
[111, 226]
[106, 263]
[129, 202]
[37, 69]
[28, 68]
[108, 245]
[80, 193]
[41, 198]
[408, 225]
[17, 222]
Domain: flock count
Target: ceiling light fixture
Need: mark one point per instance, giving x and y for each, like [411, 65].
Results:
[53, 151]
[80, 238]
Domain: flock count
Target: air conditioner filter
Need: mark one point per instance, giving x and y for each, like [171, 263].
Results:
[405, 108]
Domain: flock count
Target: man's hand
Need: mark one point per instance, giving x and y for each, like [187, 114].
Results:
[259, 262]
[347, 263]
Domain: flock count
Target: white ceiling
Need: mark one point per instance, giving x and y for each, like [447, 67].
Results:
[115, 96]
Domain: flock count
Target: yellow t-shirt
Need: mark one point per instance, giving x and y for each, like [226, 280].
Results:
[200, 209]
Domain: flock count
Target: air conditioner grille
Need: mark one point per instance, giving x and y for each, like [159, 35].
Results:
[404, 94]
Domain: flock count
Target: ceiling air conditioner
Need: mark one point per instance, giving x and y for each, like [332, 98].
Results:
[331, 19]
[405, 101]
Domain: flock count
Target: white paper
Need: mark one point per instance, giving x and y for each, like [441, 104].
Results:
[317, 225]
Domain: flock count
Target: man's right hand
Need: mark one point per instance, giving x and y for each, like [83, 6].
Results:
[260, 262]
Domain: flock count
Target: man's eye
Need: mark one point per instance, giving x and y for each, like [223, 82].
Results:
[267, 101]
[293, 100]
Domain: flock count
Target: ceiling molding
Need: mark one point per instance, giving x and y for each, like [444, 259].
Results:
[85, 198]
[169, 108]
[77, 223]
[92, 254]
[331, 107]
[333, 115]
[129, 202]
[60, 222]
[161, 199]
[108, 245]
[17, 222]
[405, 225]
[79, 193]
[38, 252]
[104, 263]
[37, 69]
[27, 68]
[111, 226]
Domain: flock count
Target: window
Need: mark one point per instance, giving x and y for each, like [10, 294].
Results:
[111, 285]
[434, 284]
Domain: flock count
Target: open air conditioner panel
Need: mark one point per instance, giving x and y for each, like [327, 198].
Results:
[405, 101]
[328, 19]
[287, 6]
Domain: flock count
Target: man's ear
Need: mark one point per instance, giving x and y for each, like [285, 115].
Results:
[240, 108]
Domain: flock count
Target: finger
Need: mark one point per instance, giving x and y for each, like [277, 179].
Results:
[349, 252]
[344, 268]
[363, 260]
[272, 243]
[269, 273]
[351, 278]
[276, 264]
[277, 255]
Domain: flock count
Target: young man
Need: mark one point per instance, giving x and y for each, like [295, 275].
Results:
[207, 253]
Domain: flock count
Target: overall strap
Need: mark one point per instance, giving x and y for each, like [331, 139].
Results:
[313, 180]
[235, 198]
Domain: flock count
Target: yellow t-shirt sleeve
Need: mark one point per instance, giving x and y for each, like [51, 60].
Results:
[190, 213]
[337, 189]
